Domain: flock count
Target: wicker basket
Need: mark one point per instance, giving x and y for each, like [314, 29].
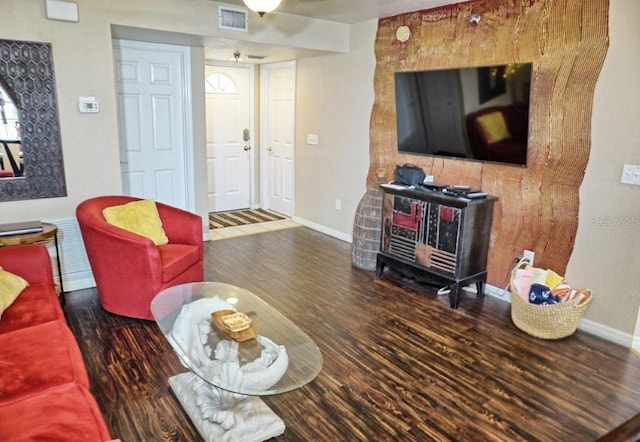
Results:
[555, 321]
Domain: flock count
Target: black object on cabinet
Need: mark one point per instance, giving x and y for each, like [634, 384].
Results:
[436, 238]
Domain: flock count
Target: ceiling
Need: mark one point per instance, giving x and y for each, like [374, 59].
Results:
[352, 11]
[343, 11]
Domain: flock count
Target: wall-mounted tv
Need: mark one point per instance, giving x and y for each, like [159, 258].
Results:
[479, 113]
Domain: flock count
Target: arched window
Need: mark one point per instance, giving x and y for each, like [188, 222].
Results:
[219, 83]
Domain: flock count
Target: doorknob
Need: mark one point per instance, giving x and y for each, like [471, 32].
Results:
[247, 147]
[270, 149]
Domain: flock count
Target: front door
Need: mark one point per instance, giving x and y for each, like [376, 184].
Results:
[280, 85]
[151, 86]
[229, 138]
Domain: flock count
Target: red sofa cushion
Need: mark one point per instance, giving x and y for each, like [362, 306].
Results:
[31, 261]
[176, 259]
[38, 358]
[36, 305]
[67, 413]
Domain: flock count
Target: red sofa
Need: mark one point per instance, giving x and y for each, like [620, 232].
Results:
[44, 387]
[130, 269]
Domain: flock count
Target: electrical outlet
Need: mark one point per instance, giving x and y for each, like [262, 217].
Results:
[528, 255]
[338, 204]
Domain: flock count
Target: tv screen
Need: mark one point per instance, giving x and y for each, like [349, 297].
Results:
[479, 113]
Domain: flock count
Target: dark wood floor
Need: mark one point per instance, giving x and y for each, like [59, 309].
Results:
[399, 364]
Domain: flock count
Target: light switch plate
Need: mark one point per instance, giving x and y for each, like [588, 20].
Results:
[630, 174]
[312, 139]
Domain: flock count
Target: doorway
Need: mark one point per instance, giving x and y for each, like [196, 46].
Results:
[154, 111]
[229, 137]
[278, 97]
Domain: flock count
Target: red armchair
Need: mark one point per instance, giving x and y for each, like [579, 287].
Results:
[129, 269]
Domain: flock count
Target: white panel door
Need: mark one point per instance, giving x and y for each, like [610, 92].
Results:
[229, 143]
[280, 85]
[151, 113]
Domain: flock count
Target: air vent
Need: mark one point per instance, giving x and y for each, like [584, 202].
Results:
[234, 19]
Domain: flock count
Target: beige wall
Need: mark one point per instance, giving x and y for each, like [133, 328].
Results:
[335, 100]
[606, 256]
[83, 68]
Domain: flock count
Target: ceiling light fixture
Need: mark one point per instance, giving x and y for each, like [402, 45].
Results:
[262, 6]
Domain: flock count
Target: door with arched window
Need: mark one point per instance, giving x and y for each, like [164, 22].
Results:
[229, 139]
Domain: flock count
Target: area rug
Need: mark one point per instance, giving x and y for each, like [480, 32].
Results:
[235, 218]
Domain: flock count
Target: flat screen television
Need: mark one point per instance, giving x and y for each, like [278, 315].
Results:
[479, 113]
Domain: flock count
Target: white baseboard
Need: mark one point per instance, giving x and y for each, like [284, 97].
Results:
[323, 229]
[497, 292]
[605, 332]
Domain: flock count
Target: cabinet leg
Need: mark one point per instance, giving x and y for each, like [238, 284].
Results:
[480, 289]
[454, 295]
[379, 269]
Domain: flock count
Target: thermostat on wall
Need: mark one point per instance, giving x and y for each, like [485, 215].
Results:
[88, 105]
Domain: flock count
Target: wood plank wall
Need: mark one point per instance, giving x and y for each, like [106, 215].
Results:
[567, 41]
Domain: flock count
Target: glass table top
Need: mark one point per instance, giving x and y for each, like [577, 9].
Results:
[280, 358]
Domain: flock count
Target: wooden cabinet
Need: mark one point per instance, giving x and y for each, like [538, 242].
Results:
[436, 238]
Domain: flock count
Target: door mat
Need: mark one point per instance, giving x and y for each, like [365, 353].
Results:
[235, 218]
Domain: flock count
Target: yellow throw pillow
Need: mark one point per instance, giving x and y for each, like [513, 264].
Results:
[494, 127]
[10, 287]
[139, 217]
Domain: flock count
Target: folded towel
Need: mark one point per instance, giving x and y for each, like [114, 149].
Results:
[522, 282]
[539, 276]
[562, 291]
[553, 279]
[540, 294]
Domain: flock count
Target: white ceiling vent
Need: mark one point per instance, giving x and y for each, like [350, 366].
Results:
[234, 19]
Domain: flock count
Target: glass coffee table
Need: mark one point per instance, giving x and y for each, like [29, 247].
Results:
[233, 359]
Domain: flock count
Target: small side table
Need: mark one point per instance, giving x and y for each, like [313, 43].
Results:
[48, 231]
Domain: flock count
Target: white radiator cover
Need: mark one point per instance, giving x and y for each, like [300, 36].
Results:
[76, 271]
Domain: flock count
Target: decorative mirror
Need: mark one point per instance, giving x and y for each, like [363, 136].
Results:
[29, 128]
